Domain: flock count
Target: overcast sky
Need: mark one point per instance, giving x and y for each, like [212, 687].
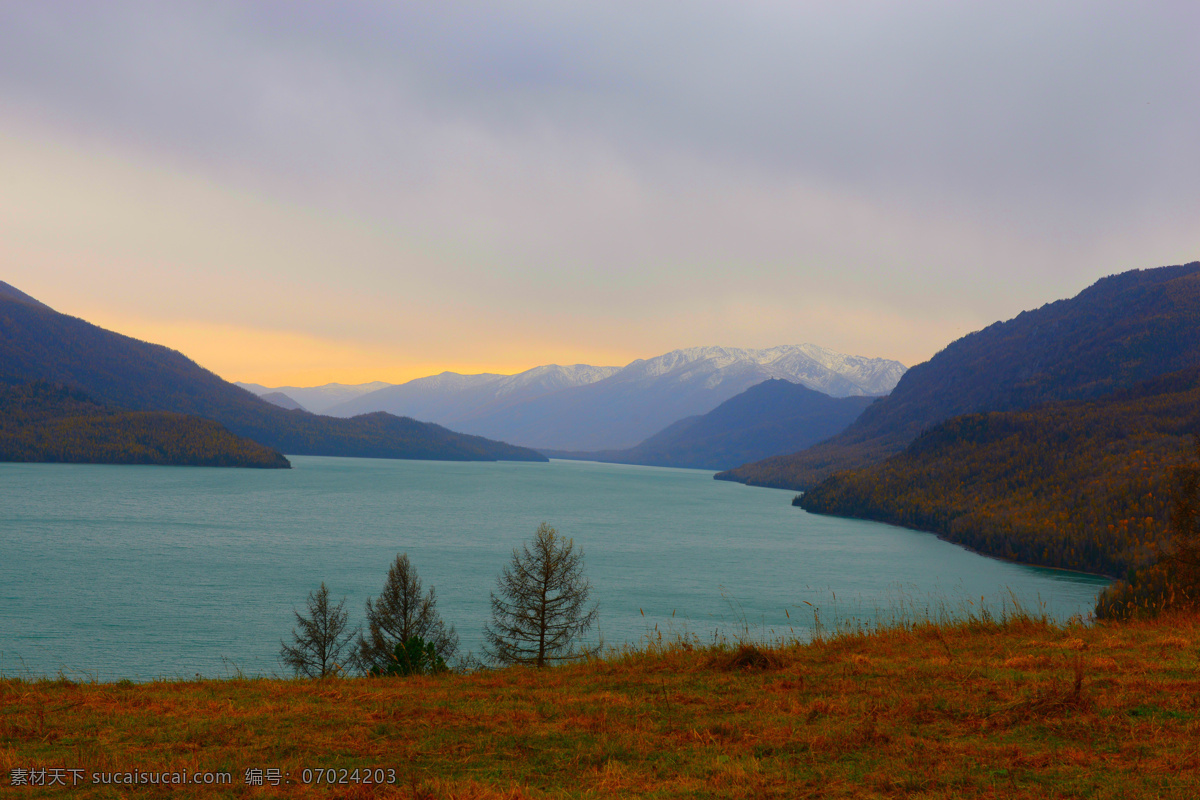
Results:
[307, 192]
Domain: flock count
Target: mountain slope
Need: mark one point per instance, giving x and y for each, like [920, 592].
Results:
[40, 422]
[771, 417]
[38, 343]
[10, 292]
[1123, 329]
[1083, 485]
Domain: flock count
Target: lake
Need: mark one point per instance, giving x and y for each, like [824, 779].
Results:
[110, 572]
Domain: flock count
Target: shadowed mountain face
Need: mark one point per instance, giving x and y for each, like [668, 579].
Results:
[317, 399]
[1123, 329]
[283, 401]
[775, 416]
[38, 343]
[601, 408]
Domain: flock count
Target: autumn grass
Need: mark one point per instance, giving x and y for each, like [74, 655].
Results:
[1009, 707]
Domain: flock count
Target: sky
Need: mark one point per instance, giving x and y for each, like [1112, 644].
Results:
[294, 193]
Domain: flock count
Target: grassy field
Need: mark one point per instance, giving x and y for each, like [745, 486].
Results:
[1011, 709]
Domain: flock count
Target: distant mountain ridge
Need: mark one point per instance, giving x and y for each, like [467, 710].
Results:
[453, 399]
[283, 401]
[1121, 330]
[38, 343]
[317, 399]
[582, 407]
[819, 368]
[775, 416]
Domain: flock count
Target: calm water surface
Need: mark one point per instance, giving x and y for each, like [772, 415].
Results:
[143, 572]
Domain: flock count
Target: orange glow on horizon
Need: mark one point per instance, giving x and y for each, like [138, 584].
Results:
[238, 353]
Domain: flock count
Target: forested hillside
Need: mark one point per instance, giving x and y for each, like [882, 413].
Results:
[1081, 485]
[38, 343]
[41, 422]
[1123, 329]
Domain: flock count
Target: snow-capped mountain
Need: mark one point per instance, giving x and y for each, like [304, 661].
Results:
[581, 407]
[552, 377]
[819, 368]
[647, 395]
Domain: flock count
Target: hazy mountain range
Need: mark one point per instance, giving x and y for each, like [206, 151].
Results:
[450, 398]
[317, 399]
[582, 407]
[575, 407]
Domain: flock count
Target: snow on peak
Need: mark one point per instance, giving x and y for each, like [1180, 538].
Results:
[817, 367]
[551, 377]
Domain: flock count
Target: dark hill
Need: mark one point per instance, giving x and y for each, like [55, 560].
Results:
[775, 416]
[38, 343]
[45, 423]
[1123, 329]
[1083, 485]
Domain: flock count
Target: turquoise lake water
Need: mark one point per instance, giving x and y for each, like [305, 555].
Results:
[113, 572]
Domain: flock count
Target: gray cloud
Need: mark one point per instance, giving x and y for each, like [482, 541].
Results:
[1002, 154]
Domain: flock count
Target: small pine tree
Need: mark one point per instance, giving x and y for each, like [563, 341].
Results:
[402, 612]
[413, 656]
[542, 604]
[321, 640]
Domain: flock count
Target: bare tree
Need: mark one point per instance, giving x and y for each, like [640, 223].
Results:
[542, 604]
[402, 612]
[320, 640]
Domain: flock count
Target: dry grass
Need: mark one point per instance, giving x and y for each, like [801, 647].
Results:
[1011, 709]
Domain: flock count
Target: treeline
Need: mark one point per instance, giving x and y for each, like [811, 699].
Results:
[43, 422]
[1083, 486]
